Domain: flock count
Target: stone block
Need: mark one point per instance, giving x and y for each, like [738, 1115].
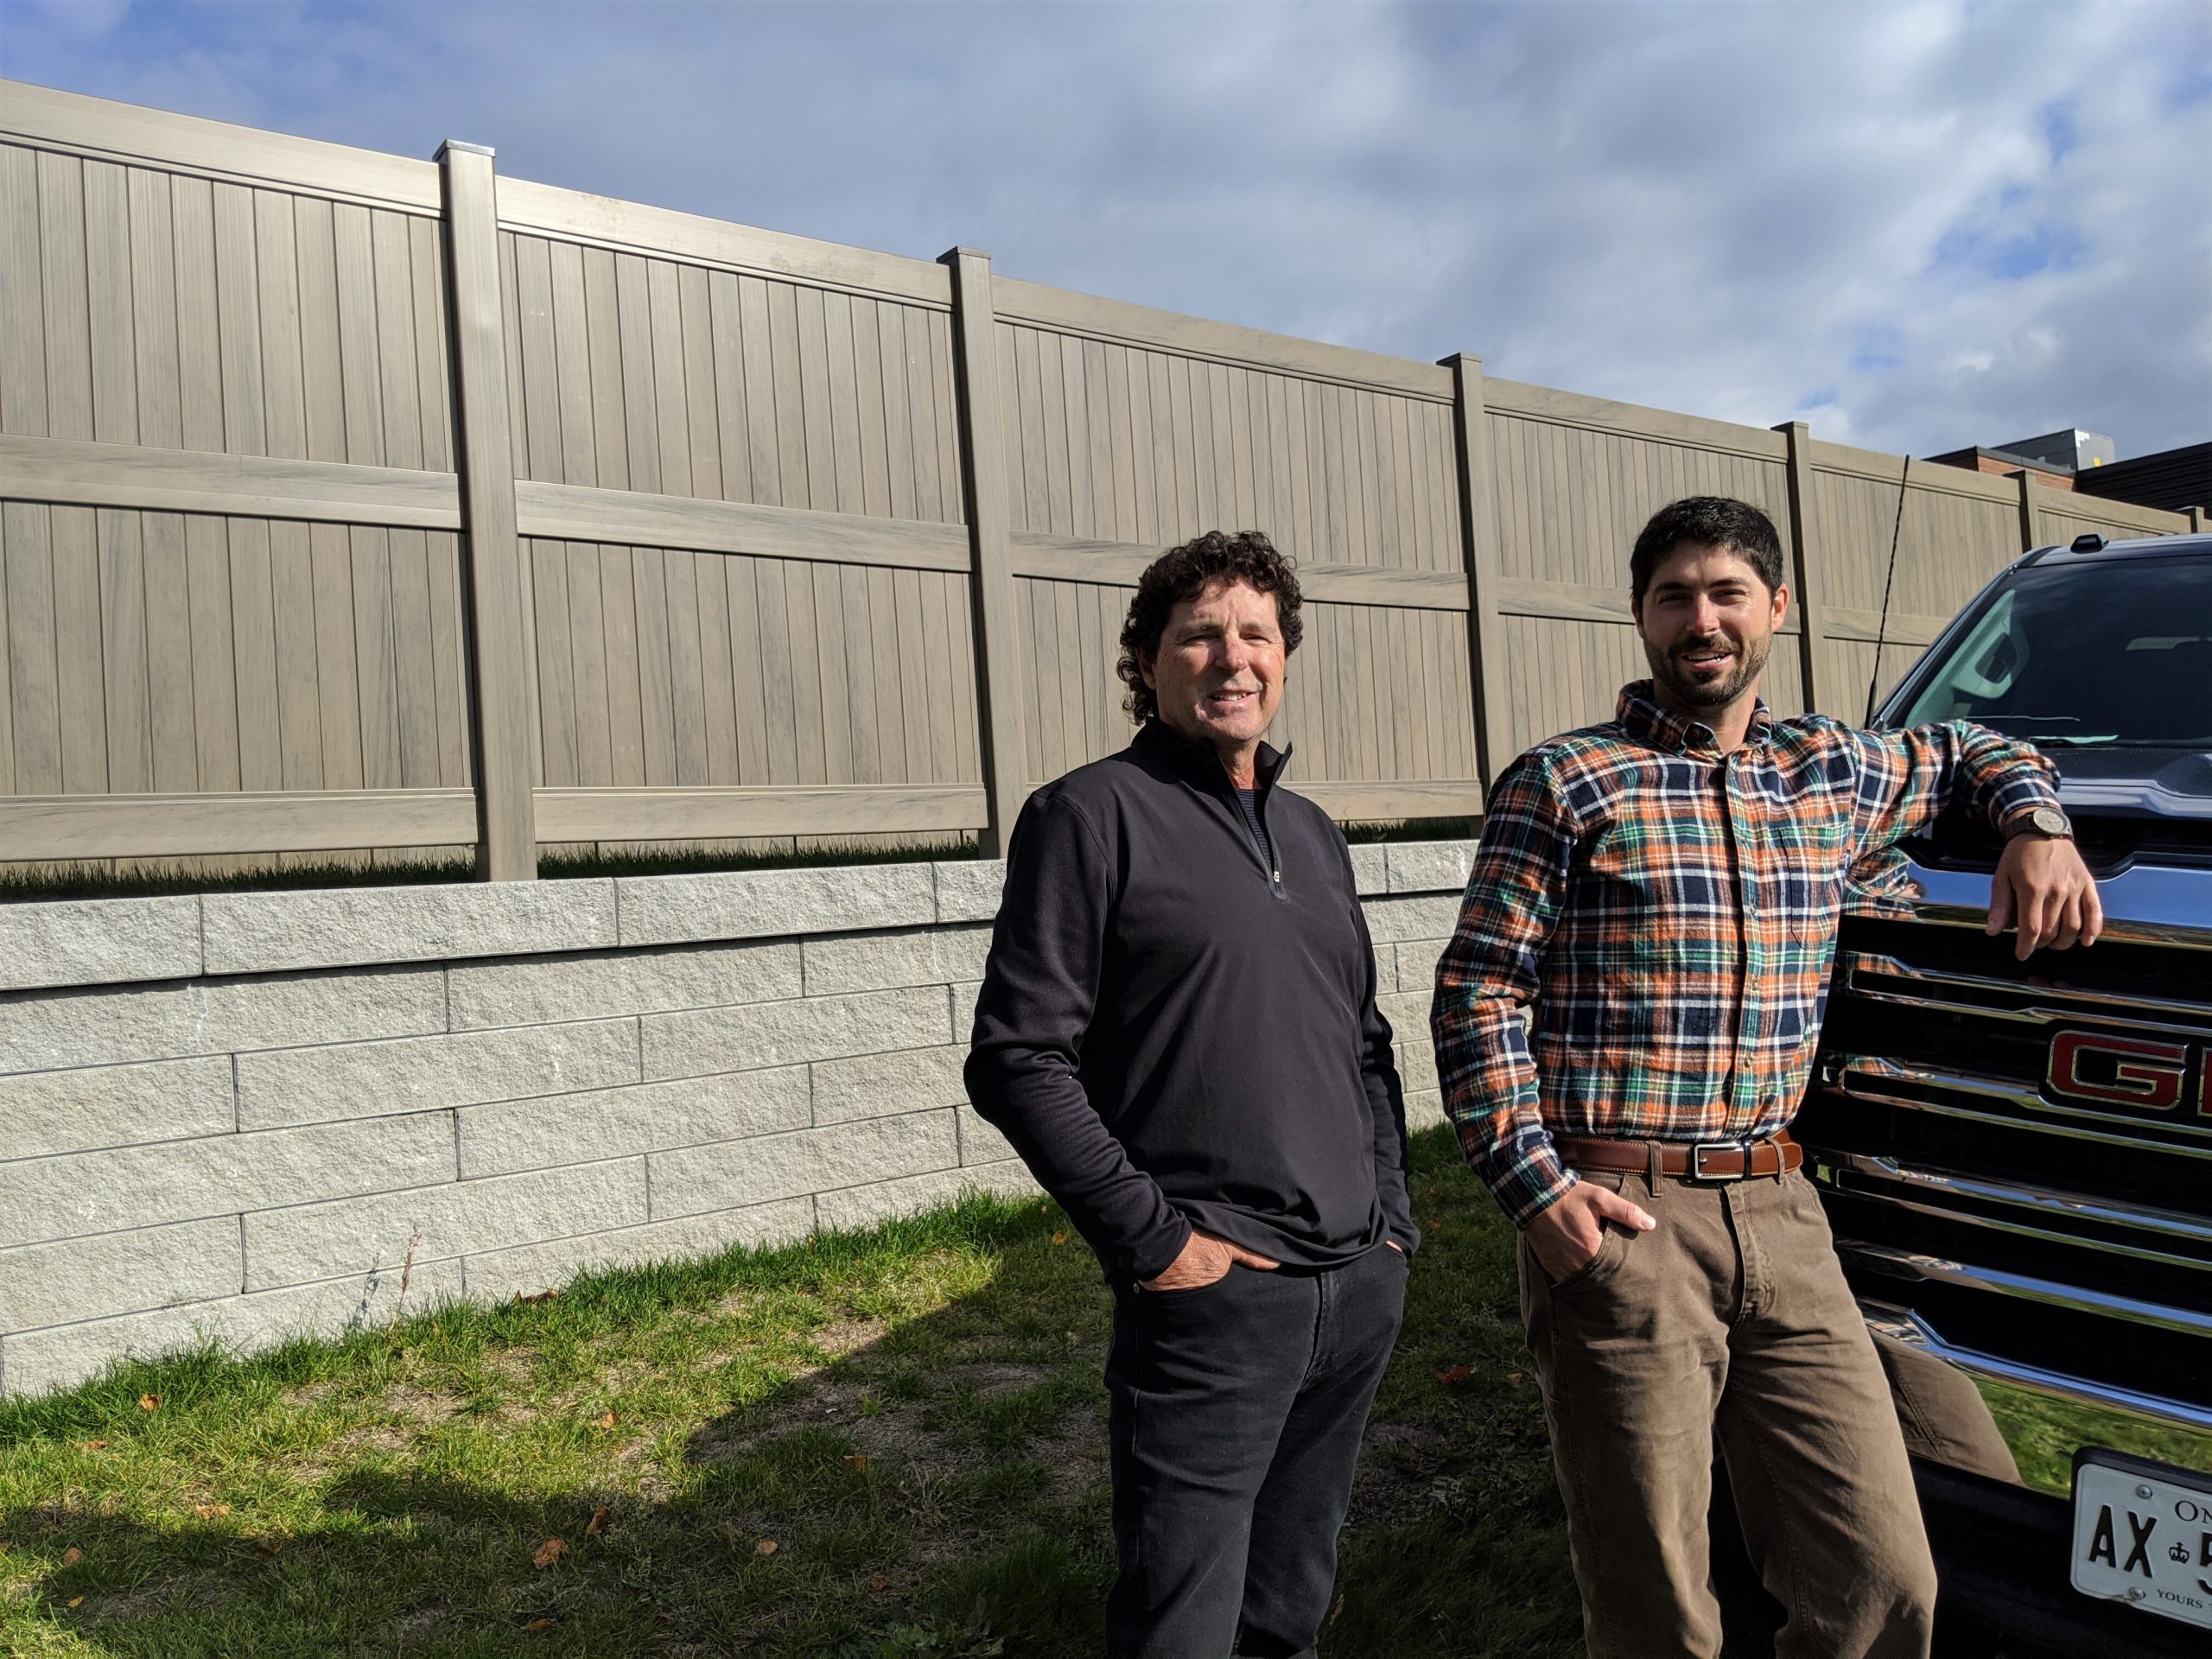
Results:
[1416, 1066]
[769, 903]
[1408, 1012]
[542, 991]
[98, 942]
[119, 1273]
[306, 1242]
[852, 1208]
[1424, 1111]
[1425, 916]
[527, 1269]
[881, 1085]
[44, 1198]
[968, 889]
[413, 1074]
[1371, 869]
[979, 1143]
[1386, 969]
[876, 961]
[1417, 960]
[735, 1173]
[703, 1042]
[46, 1112]
[334, 927]
[1431, 866]
[600, 1123]
[963, 1009]
[57, 1357]
[43, 1031]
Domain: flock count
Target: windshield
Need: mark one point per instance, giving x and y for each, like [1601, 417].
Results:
[2110, 652]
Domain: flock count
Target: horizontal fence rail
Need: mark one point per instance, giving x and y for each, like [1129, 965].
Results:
[352, 503]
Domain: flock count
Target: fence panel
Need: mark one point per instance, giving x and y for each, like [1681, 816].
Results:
[1128, 430]
[754, 449]
[206, 332]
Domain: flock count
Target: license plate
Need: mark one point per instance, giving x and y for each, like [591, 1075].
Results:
[2143, 1534]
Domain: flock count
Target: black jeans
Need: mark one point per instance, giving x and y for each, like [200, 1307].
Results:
[1235, 1418]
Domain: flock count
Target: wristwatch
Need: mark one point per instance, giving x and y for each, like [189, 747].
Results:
[2043, 821]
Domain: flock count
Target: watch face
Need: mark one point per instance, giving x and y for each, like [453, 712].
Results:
[2050, 821]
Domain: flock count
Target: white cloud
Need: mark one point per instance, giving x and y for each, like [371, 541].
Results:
[1919, 225]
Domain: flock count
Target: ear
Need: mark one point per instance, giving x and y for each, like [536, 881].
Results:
[1781, 607]
[1145, 662]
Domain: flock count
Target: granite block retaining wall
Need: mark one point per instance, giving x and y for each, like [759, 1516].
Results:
[245, 1117]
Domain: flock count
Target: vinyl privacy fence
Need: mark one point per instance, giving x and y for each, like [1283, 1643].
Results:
[353, 502]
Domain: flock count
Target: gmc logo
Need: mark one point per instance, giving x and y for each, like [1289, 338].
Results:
[2149, 1074]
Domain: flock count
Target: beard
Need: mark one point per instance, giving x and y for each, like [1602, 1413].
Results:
[1669, 671]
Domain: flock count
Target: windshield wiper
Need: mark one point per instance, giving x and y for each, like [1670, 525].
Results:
[2073, 740]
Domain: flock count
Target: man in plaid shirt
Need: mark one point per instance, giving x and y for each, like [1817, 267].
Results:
[1664, 889]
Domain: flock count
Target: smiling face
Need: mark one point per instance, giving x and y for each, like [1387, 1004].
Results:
[1707, 623]
[1218, 671]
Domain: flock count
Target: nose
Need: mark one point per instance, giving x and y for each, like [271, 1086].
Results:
[1704, 618]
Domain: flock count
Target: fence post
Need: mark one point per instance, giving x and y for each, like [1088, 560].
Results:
[1478, 543]
[2196, 521]
[1820, 679]
[982, 453]
[499, 658]
[2031, 520]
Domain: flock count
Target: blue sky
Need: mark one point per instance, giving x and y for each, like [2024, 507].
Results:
[1918, 225]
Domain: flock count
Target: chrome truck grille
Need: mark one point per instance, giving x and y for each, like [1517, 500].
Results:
[2016, 1163]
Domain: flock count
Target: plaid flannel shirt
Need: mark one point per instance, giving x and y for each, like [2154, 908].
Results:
[1671, 911]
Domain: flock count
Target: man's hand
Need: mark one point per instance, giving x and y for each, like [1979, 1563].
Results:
[2043, 882]
[1205, 1259]
[1568, 1236]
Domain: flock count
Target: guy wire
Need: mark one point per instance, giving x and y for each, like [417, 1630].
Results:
[1882, 628]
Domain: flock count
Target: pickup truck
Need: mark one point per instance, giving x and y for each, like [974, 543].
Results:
[2016, 1158]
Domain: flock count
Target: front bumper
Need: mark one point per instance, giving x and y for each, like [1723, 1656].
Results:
[1986, 1434]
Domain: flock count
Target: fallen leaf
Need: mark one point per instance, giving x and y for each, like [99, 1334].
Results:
[1069, 1335]
[1059, 1238]
[549, 1552]
[857, 1460]
[150, 1402]
[1455, 1376]
[765, 1547]
[209, 1511]
[71, 1556]
[878, 1582]
[76, 1601]
[268, 1549]
[1337, 1612]
[542, 1296]
[607, 1421]
[1513, 1376]
[92, 1446]
[597, 1524]
[536, 1625]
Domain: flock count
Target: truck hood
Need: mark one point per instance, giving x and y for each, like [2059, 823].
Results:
[2135, 783]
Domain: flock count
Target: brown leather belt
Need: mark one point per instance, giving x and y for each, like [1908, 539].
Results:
[1702, 1160]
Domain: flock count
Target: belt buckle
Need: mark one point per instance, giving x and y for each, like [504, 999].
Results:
[1699, 1149]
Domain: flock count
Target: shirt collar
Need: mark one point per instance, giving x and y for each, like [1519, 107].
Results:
[1643, 718]
[1198, 760]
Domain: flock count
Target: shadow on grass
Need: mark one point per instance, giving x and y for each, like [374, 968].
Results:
[927, 1484]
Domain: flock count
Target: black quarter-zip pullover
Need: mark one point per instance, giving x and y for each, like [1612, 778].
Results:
[1177, 1026]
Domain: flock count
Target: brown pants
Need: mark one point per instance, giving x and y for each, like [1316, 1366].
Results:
[1729, 1324]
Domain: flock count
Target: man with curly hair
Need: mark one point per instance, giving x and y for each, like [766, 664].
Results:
[1177, 1030]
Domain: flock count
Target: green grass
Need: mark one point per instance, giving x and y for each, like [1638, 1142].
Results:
[120, 879]
[913, 1417]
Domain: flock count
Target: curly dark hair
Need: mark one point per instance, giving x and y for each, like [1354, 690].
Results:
[1181, 574]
